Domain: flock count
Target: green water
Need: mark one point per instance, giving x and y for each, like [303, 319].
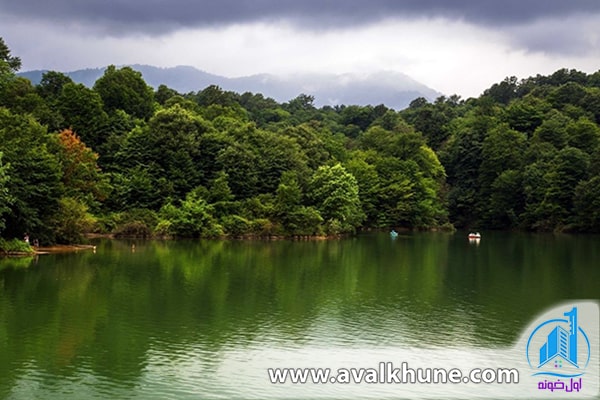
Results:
[163, 319]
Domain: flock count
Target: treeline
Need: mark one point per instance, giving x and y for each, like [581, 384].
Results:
[122, 158]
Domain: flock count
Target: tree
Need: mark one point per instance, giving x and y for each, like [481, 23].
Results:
[168, 148]
[9, 64]
[583, 134]
[81, 176]
[214, 95]
[35, 176]
[502, 150]
[71, 220]
[462, 158]
[553, 130]
[240, 163]
[125, 89]
[295, 218]
[262, 110]
[219, 189]
[525, 115]
[569, 168]
[136, 188]
[51, 85]
[591, 103]
[5, 197]
[164, 93]
[276, 154]
[310, 141]
[587, 204]
[301, 108]
[504, 91]
[359, 116]
[21, 98]
[83, 112]
[219, 195]
[507, 201]
[369, 185]
[569, 93]
[397, 199]
[334, 191]
[192, 218]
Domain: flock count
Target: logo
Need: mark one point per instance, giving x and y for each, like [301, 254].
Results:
[559, 351]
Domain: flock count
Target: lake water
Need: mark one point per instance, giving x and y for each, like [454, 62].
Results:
[193, 319]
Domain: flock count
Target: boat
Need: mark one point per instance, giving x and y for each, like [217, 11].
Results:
[474, 235]
[393, 233]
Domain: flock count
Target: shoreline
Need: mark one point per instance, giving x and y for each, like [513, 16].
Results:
[70, 248]
[63, 248]
[55, 249]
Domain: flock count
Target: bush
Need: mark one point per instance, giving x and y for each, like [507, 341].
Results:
[163, 228]
[262, 227]
[133, 229]
[334, 227]
[72, 220]
[134, 223]
[15, 246]
[193, 218]
[235, 225]
[303, 221]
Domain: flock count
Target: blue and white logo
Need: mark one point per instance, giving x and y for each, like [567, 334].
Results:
[559, 347]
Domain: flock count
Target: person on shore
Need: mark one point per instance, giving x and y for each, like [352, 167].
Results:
[26, 238]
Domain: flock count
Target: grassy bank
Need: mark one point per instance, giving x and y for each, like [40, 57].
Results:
[15, 247]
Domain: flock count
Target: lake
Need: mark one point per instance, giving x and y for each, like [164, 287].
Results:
[188, 319]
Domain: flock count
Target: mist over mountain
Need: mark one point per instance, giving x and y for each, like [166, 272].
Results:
[394, 89]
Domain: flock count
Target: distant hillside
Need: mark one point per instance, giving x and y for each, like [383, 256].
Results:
[395, 90]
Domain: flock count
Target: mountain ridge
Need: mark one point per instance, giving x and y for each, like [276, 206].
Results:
[394, 89]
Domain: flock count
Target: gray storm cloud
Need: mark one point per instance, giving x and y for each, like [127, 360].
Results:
[68, 34]
[122, 17]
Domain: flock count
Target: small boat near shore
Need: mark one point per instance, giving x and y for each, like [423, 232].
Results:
[393, 234]
[474, 235]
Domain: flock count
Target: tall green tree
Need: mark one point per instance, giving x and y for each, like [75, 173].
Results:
[295, 218]
[587, 205]
[125, 89]
[334, 192]
[51, 84]
[570, 167]
[83, 112]
[369, 184]
[526, 114]
[164, 93]
[35, 176]
[462, 158]
[583, 134]
[502, 150]
[5, 197]
[9, 64]
[168, 148]
[553, 129]
[50, 89]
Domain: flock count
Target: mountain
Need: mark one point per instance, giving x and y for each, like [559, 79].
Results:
[394, 89]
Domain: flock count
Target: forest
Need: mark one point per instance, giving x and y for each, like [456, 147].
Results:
[122, 158]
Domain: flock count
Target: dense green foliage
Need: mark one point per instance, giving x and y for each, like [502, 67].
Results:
[121, 158]
[15, 246]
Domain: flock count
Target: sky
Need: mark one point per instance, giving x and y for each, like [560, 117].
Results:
[453, 46]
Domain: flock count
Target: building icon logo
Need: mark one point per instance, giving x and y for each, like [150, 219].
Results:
[559, 347]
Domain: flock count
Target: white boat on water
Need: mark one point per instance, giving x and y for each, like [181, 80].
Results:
[474, 235]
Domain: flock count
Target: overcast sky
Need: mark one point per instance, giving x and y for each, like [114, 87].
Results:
[454, 46]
